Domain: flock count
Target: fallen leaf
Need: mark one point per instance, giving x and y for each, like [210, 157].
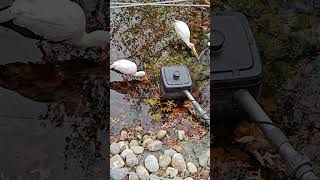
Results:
[156, 117]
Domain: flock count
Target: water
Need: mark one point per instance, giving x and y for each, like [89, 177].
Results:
[147, 37]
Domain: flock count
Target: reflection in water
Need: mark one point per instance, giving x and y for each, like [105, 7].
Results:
[76, 92]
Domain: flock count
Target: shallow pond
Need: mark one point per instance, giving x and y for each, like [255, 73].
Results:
[147, 37]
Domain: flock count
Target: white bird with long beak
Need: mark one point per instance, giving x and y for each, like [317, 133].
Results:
[183, 33]
[127, 69]
[52, 20]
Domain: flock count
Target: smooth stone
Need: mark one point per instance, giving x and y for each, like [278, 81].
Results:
[125, 153]
[133, 176]
[169, 152]
[172, 172]
[114, 148]
[188, 178]
[154, 177]
[146, 137]
[123, 135]
[203, 160]
[178, 162]
[191, 168]
[151, 163]
[161, 134]
[181, 135]
[139, 136]
[116, 162]
[164, 161]
[139, 128]
[118, 174]
[155, 146]
[134, 143]
[146, 142]
[131, 160]
[123, 145]
[142, 172]
[137, 149]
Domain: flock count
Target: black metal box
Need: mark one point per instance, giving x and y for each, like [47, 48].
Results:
[174, 80]
[234, 59]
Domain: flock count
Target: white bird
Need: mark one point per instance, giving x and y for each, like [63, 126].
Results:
[52, 20]
[127, 69]
[183, 33]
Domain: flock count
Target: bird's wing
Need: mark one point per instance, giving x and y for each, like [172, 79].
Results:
[54, 20]
[182, 29]
[125, 67]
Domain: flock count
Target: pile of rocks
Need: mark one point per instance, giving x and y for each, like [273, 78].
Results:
[145, 158]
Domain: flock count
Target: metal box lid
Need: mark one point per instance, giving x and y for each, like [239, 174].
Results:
[234, 55]
[175, 77]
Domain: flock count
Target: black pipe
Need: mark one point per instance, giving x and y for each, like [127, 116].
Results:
[203, 114]
[298, 166]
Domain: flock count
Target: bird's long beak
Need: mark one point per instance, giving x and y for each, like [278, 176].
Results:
[145, 78]
[194, 51]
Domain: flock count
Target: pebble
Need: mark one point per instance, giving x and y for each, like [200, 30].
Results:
[116, 162]
[161, 134]
[181, 135]
[142, 173]
[139, 128]
[155, 146]
[164, 161]
[137, 149]
[191, 168]
[123, 145]
[119, 174]
[139, 136]
[146, 142]
[151, 163]
[124, 153]
[114, 148]
[169, 152]
[188, 178]
[133, 176]
[134, 143]
[203, 160]
[146, 137]
[171, 172]
[123, 135]
[154, 177]
[177, 148]
[178, 162]
[131, 160]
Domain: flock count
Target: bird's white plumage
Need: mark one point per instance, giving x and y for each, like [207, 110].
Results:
[125, 67]
[182, 31]
[55, 20]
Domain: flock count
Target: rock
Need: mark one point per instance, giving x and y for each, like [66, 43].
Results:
[134, 143]
[142, 172]
[151, 163]
[118, 174]
[181, 135]
[169, 152]
[139, 136]
[123, 135]
[161, 134]
[177, 148]
[114, 148]
[191, 168]
[137, 149]
[123, 145]
[171, 172]
[146, 142]
[209, 161]
[164, 161]
[133, 176]
[116, 162]
[139, 128]
[203, 160]
[124, 153]
[154, 177]
[155, 146]
[178, 162]
[188, 178]
[208, 153]
[131, 160]
[146, 137]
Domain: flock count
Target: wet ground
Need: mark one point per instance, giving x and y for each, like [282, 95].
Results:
[53, 116]
[287, 34]
[147, 37]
